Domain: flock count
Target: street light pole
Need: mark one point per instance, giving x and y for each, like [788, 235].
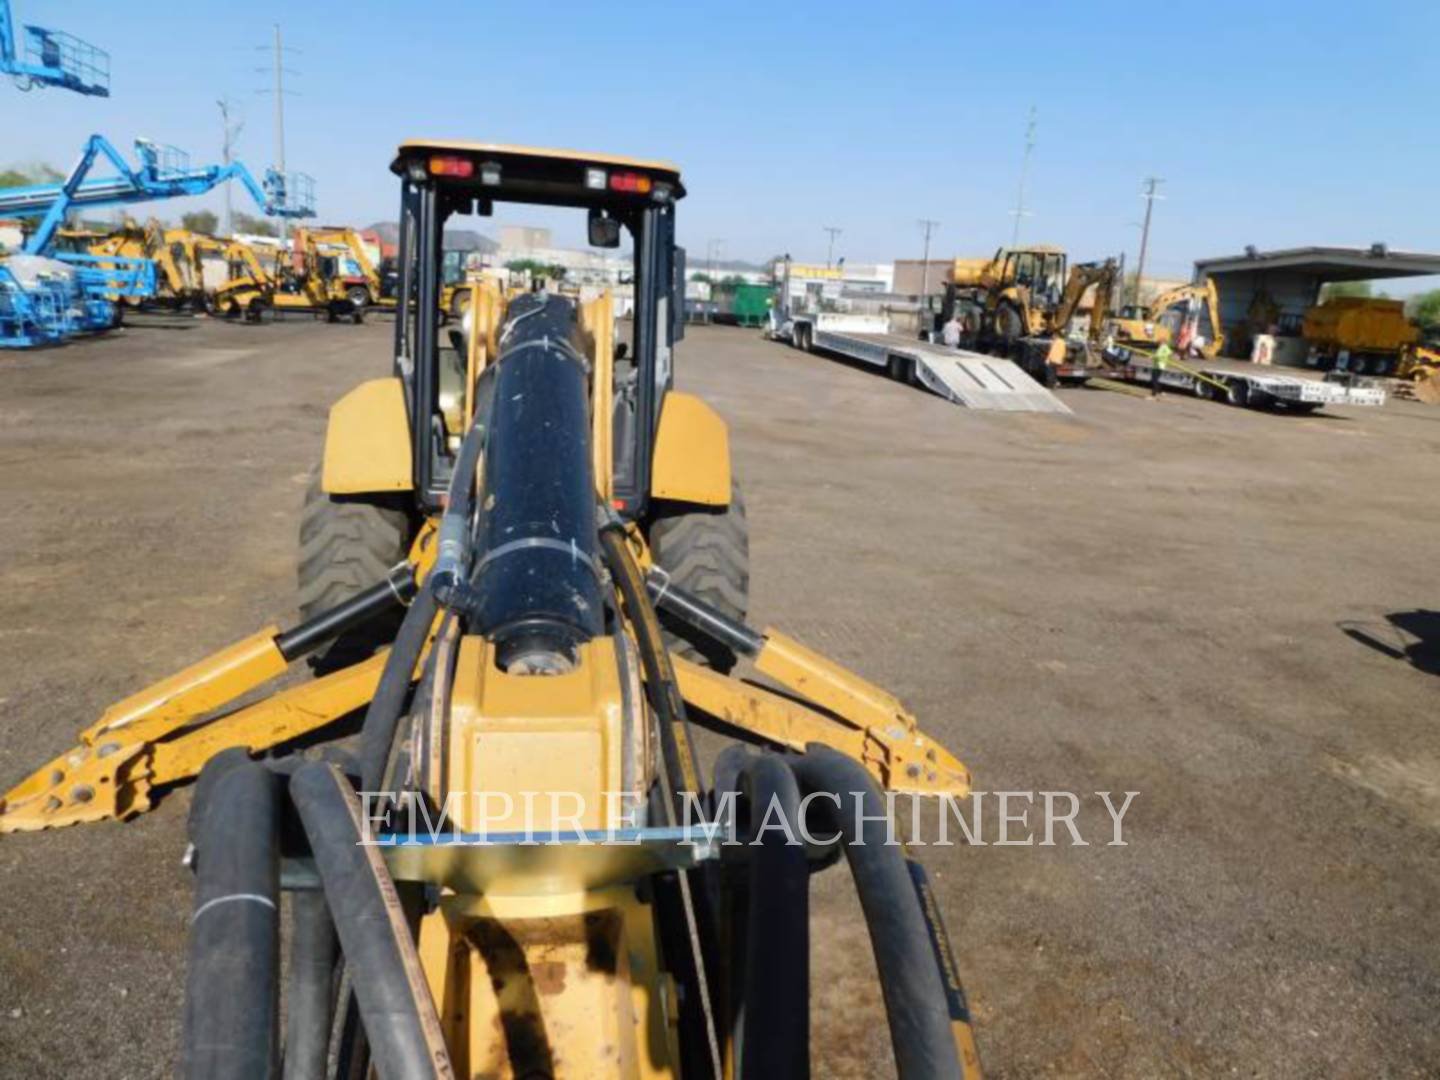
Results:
[929, 226]
[830, 251]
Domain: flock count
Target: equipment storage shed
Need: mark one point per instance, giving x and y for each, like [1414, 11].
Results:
[1263, 289]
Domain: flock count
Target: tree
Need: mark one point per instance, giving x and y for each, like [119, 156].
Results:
[35, 174]
[1425, 310]
[1336, 289]
[200, 221]
[701, 278]
[255, 226]
[536, 269]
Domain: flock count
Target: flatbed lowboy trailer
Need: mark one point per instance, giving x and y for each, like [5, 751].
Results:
[966, 378]
[1238, 383]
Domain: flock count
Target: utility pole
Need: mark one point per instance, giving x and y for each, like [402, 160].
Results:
[231, 131]
[1020, 211]
[278, 91]
[830, 251]
[1149, 195]
[929, 226]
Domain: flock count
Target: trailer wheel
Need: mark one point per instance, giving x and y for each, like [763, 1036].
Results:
[347, 545]
[1237, 392]
[707, 552]
[901, 370]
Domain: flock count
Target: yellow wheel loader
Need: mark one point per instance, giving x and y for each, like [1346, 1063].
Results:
[524, 562]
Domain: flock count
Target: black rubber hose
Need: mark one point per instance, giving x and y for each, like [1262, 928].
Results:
[386, 706]
[311, 993]
[916, 999]
[664, 692]
[774, 1033]
[232, 987]
[401, 1025]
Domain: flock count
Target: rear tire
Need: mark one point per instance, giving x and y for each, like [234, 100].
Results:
[707, 552]
[346, 546]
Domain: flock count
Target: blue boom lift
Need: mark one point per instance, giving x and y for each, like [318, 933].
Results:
[44, 307]
[52, 58]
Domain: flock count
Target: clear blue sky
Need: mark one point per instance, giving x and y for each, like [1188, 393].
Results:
[1276, 123]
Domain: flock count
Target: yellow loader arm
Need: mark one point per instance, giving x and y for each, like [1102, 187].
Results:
[167, 732]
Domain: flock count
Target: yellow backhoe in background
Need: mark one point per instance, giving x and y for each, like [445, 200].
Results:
[524, 559]
[1161, 320]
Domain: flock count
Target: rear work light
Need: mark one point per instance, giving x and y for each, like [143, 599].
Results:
[451, 166]
[629, 181]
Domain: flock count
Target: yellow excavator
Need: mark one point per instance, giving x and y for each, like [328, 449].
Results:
[1161, 320]
[524, 562]
[306, 279]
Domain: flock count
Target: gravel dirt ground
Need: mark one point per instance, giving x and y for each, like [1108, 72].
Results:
[1234, 614]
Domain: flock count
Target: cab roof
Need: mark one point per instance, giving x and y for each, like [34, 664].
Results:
[412, 147]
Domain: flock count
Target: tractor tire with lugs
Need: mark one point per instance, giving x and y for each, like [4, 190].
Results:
[707, 553]
[347, 545]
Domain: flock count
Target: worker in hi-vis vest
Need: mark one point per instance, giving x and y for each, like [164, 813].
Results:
[1162, 360]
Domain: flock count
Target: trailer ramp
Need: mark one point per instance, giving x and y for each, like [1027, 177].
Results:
[985, 382]
[967, 378]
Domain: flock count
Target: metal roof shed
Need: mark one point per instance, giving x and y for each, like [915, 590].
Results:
[1292, 277]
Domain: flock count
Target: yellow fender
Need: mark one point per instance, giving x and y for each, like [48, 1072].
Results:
[367, 442]
[692, 453]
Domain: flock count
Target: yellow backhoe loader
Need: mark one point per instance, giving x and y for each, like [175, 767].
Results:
[1010, 296]
[1022, 303]
[302, 280]
[1161, 321]
[524, 559]
[179, 277]
[343, 264]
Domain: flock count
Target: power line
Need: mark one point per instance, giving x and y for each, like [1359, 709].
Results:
[278, 49]
[1149, 195]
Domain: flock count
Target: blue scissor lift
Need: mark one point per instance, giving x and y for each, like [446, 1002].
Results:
[52, 58]
[50, 307]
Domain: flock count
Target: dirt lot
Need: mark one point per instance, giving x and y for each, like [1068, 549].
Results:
[1236, 615]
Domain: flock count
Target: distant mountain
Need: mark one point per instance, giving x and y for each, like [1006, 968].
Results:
[455, 239]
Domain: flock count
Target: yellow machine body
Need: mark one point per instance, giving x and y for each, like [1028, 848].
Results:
[542, 960]
[1360, 324]
[1160, 321]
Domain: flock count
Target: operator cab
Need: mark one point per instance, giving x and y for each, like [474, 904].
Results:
[1041, 270]
[620, 196]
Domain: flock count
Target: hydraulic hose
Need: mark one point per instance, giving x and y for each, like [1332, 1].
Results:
[664, 691]
[454, 542]
[393, 689]
[401, 1026]
[921, 1004]
[773, 1035]
[232, 988]
[311, 992]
